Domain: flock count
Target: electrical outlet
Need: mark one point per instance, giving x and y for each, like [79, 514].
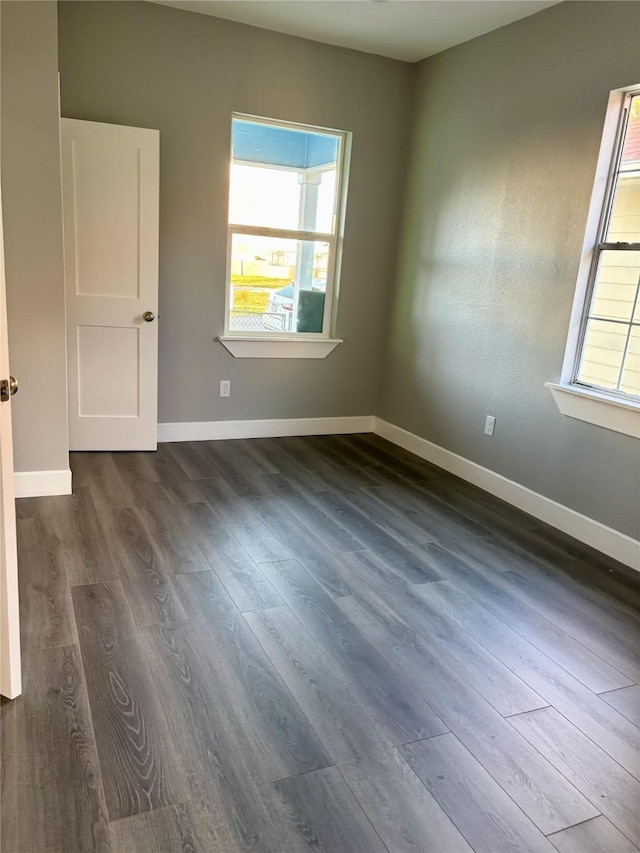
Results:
[225, 387]
[490, 425]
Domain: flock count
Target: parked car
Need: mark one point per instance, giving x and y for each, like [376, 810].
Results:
[280, 309]
[279, 313]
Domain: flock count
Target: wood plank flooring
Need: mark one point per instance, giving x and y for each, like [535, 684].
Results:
[319, 643]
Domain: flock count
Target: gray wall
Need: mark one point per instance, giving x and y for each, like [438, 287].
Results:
[33, 233]
[503, 158]
[183, 73]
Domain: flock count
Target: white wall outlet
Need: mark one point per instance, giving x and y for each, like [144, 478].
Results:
[489, 425]
[225, 387]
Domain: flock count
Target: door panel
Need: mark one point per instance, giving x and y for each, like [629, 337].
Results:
[111, 394]
[110, 180]
[106, 182]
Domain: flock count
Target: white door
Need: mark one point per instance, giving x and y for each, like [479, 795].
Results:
[10, 675]
[110, 185]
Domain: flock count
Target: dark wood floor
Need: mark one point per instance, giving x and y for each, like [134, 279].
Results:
[325, 643]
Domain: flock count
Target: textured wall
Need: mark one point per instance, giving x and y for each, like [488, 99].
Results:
[31, 198]
[503, 158]
[183, 73]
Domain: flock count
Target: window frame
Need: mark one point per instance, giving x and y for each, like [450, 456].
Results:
[608, 408]
[334, 240]
[601, 245]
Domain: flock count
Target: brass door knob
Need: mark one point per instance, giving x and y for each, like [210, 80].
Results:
[148, 316]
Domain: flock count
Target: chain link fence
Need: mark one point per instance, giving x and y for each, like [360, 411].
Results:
[248, 321]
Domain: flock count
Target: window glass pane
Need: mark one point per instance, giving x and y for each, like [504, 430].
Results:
[630, 382]
[326, 202]
[277, 285]
[282, 177]
[624, 224]
[602, 353]
[262, 196]
[631, 147]
[624, 221]
[616, 285]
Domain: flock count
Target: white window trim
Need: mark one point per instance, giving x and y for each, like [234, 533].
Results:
[594, 405]
[283, 346]
[597, 407]
[295, 345]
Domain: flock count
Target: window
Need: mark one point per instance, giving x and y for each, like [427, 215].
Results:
[609, 356]
[285, 230]
[602, 361]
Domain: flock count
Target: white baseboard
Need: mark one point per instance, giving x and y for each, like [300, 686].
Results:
[216, 430]
[605, 539]
[37, 484]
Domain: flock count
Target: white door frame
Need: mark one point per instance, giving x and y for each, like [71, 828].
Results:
[10, 660]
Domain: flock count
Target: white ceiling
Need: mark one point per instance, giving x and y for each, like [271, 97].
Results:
[401, 29]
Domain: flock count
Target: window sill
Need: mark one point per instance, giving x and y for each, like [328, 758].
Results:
[597, 407]
[298, 347]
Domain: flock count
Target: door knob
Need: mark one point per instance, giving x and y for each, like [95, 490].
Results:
[8, 387]
[148, 316]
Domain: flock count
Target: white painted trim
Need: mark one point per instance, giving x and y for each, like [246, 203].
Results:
[37, 484]
[262, 347]
[605, 539]
[595, 407]
[216, 430]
